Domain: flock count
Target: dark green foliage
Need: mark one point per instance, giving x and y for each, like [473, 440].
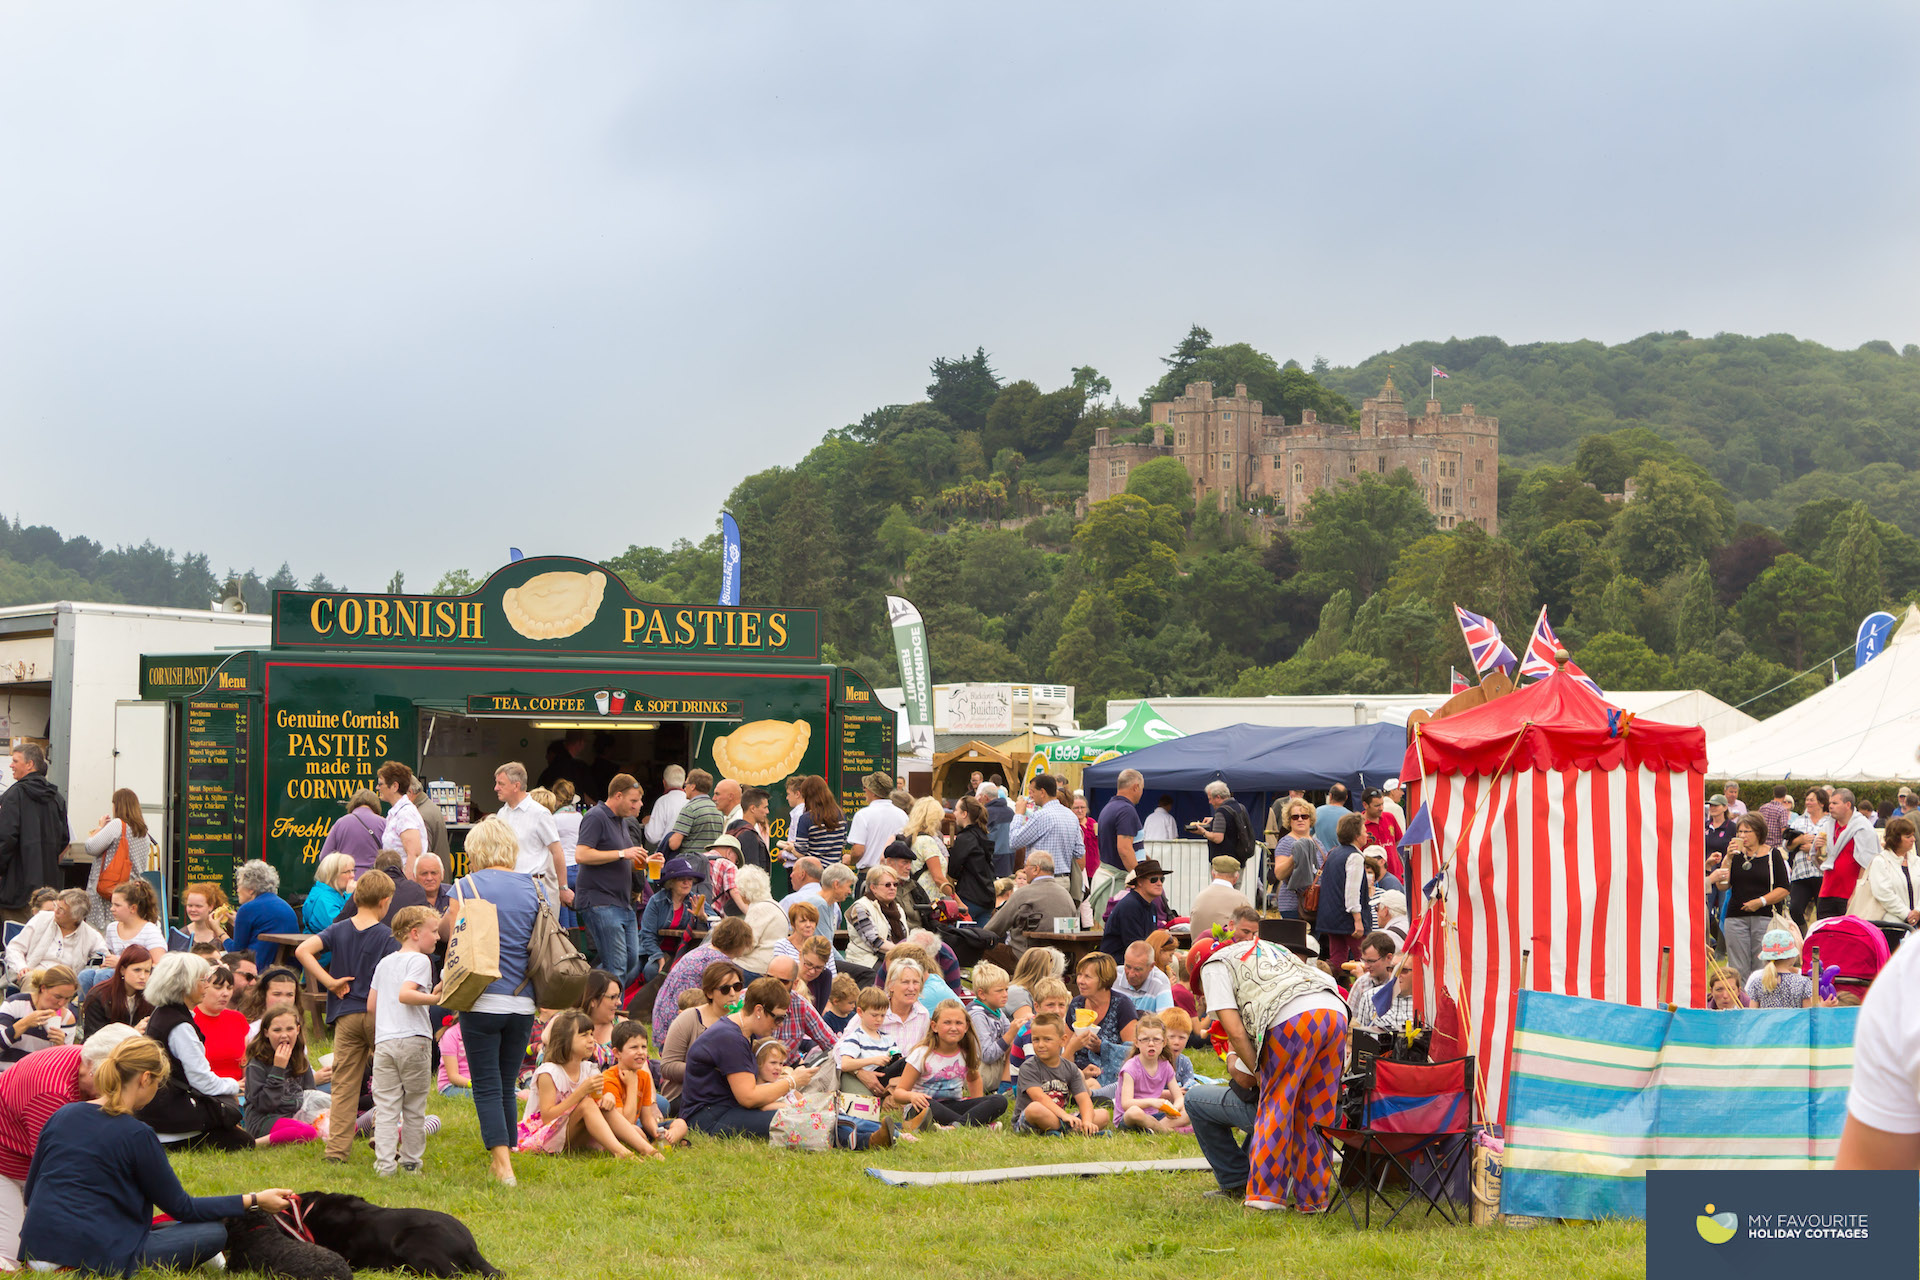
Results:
[964, 389]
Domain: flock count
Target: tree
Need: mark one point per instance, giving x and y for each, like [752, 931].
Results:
[1005, 423]
[458, 582]
[1672, 521]
[1190, 350]
[1852, 553]
[899, 538]
[1336, 621]
[1163, 482]
[1410, 635]
[283, 579]
[1233, 599]
[1699, 617]
[964, 389]
[1619, 661]
[1355, 530]
[1088, 655]
[1091, 383]
[1129, 549]
[1547, 496]
[318, 582]
[1794, 611]
[1562, 558]
[396, 585]
[1740, 562]
[1284, 392]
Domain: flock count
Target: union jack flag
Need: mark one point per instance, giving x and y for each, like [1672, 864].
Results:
[1438, 372]
[1484, 644]
[1539, 663]
[1573, 669]
[1459, 684]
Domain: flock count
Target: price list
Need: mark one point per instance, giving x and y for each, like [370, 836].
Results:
[866, 746]
[216, 824]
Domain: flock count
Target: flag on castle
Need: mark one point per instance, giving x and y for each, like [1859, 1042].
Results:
[1484, 644]
[1540, 662]
[1459, 684]
[1438, 372]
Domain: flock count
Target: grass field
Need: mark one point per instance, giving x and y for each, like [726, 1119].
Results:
[737, 1209]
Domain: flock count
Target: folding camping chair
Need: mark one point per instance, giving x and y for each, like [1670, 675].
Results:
[1418, 1123]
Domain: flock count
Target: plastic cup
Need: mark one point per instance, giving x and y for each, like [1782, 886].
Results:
[656, 863]
[600, 700]
[619, 701]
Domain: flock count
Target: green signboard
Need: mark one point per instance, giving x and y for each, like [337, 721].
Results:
[592, 707]
[549, 604]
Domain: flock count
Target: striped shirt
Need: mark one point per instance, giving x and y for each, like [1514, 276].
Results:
[30, 1092]
[1051, 827]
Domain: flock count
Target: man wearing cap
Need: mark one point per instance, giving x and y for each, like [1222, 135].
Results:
[1903, 805]
[723, 869]
[1033, 906]
[912, 899]
[603, 893]
[1135, 915]
[1384, 830]
[1216, 903]
[662, 913]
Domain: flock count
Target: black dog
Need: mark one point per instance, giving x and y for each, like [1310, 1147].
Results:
[366, 1235]
[255, 1242]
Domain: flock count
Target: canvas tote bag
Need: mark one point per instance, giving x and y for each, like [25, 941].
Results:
[473, 951]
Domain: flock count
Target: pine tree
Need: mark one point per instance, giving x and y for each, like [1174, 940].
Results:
[1856, 560]
[1699, 617]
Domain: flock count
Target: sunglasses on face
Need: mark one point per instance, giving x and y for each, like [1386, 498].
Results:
[1300, 817]
[1153, 880]
[731, 988]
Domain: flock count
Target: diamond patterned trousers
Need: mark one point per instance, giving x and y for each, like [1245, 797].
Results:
[1299, 1088]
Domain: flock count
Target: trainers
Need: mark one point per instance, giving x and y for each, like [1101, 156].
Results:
[409, 1168]
[1265, 1206]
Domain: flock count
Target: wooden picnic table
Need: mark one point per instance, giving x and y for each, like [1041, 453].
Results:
[1075, 946]
[313, 997]
[288, 943]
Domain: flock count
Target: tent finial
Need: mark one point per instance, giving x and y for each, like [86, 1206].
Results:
[1560, 657]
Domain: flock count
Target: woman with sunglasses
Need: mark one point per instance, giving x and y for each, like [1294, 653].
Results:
[721, 984]
[1296, 859]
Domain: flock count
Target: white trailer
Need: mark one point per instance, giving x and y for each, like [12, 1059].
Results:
[70, 679]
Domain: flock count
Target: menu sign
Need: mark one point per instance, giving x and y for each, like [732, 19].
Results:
[216, 824]
[866, 746]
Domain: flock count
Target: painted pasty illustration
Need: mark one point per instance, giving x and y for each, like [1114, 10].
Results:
[550, 606]
[762, 752]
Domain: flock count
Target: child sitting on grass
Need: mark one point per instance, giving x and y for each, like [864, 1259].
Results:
[1179, 1030]
[988, 1013]
[626, 1094]
[942, 1074]
[1150, 1096]
[1053, 1095]
[862, 1052]
[561, 1113]
[1049, 996]
[456, 1081]
[841, 999]
[282, 1104]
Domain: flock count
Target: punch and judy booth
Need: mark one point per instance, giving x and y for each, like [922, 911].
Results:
[551, 663]
[1568, 838]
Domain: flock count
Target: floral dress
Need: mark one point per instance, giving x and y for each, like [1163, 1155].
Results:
[549, 1136]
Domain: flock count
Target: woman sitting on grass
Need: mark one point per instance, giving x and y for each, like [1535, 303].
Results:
[122, 998]
[600, 1001]
[282, 1103]
[1108, 1016]
[38, 1017]
[224, 1029]
[942, 1075]
[275, 986]
[564, 1112]
[190, 1100]
[720, 986]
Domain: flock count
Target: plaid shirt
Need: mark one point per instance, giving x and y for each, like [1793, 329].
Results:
[723, 875]
[1051, 827]
[1777, 815]
[1802, 863]
[1366, 1018]
[802, 1027]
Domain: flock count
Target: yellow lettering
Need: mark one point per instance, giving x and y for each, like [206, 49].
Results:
[631, 620]
[777, 624]
[313, 616]
[749, 633]
[351, 617]
[683, 626]
[470, 620]
[380, 744]
[657, 624]
[443, 624]
[708, 617]
[377, 624]
[404, 609]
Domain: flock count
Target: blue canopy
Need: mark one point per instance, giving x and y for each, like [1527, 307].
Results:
[1259, 763]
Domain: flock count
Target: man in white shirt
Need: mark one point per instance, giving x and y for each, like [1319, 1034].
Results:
[1215, 904]
[1395, 794]
[540, 854]
[874, 827]
[1160, 824]
[666, 810]
[1883, 1106]
[1150, 990]
[1851, 850]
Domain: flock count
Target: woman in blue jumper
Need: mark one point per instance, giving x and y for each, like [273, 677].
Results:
[98, 1173]
[262, 910]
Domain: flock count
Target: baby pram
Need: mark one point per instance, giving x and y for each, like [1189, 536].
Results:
[1855, 945]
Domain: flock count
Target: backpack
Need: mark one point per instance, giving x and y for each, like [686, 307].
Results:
[1239, 841]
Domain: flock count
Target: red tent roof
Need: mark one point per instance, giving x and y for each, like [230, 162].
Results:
[1555, 723]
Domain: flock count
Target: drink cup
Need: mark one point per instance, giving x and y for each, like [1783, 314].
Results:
[601, 699]
[619, 701]
[656, 863]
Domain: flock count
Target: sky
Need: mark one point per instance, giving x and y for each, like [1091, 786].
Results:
[374, 286]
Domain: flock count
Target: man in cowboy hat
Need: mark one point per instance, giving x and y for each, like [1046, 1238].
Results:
[1137, 914]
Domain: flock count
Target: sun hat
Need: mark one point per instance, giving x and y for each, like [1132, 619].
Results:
[1717, 798]
[1778, 945]
[680, 869]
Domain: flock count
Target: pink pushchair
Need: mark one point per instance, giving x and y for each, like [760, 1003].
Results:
[1854, 945]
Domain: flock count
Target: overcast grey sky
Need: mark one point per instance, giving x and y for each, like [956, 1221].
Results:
[368, 286]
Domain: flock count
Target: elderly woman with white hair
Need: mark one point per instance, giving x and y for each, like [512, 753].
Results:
[262, 910]
[61, 936]
[1390, 913]
[192, 1103]
[754, 890]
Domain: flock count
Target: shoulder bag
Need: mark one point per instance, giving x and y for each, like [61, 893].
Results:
[555, 966]
[473, 951]
[119, 868]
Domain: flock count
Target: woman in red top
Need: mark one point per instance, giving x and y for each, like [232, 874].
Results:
[225, 1029]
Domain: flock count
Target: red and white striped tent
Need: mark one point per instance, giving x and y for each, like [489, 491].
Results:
[1571, 841]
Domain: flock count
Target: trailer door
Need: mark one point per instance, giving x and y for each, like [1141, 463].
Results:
[140, 762]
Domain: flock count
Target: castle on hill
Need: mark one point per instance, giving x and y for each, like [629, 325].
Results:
[1234, 452]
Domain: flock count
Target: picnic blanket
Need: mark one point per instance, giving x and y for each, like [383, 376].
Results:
[902, 1178]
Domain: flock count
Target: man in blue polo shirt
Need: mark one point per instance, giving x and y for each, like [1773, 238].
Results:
[603, 891]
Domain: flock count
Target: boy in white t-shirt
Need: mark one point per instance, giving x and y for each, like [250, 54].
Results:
[402, 991]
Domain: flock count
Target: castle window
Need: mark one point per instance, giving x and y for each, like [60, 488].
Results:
[1227, 416]
[1469, 484]
[1479, 464]
[1446, 497]
[1226, 435]
[1226, 462]
[1473, 504]
[1119, 469]
[1353, 466]
[1299, 472]
[1426, 466]
[1179, 439]
[1326, 474]
[1383, 464]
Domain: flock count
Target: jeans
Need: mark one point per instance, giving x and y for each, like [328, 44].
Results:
[728, 1120]
[1801, 895]
[90, 978]
[616, 937]
[496, 1045]
[1216, 1113]
[181, 1246]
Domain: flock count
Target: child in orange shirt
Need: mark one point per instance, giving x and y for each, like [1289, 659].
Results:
[626, 1093]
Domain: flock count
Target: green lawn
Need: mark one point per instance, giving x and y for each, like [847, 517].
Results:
[738, 1210]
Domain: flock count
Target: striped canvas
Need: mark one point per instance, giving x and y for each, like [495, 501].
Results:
[1588, 872]
[1601, 1093]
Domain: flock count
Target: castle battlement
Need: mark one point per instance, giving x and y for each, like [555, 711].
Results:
[1235, 452]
